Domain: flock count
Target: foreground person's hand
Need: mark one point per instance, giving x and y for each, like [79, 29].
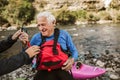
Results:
[16, 35]
[32, 51]
[24, 38]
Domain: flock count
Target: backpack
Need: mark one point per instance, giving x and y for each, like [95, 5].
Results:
[51, 55]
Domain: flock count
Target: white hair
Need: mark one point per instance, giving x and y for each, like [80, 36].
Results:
[48, 15]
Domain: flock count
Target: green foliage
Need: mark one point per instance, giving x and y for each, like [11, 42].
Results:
[66, 17]
[19, 11]
[3, 3]
[81, 14]
[118, 17]
[26, 12]
[22, 11]
[2, 21]
[92, 17]
[115, 4]
[20, 79]
[105, 15]
[42, 4]
[29, 0]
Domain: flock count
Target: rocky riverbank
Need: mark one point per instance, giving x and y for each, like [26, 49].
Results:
[98, 45]
[111, 62]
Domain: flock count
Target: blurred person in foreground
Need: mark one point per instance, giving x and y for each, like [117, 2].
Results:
[14, 62]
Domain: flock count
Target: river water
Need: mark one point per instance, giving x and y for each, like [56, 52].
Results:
[98, 45]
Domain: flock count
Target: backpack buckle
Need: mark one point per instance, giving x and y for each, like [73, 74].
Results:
[49, 70]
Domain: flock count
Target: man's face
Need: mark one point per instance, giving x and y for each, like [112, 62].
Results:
[47, 29]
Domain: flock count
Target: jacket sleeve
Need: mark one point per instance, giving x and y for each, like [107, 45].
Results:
[5, 44]
[72, 47]
[13, 63]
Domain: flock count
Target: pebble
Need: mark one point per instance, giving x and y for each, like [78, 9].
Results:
[114, 77]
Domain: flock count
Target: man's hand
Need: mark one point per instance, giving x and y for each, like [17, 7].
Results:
[32, 51]
[68, 64]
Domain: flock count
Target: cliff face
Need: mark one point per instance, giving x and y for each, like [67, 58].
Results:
[100, 10]
[73, 4]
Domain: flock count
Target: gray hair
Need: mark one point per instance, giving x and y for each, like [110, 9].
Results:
[48, 15]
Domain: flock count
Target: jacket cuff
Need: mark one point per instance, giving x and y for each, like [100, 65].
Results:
[26, 57]
[10, 39]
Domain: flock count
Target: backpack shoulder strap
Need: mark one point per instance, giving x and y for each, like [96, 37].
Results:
[56, 35]
[43, 40]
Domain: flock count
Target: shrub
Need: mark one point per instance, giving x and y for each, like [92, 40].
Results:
[30, 0]
[105, 15]
[66, 17]
[42, 4]
[115, 4]
[3, 3]
[80, 14]
[3, 21]
[92, 17]
[26, 12]
[118, 17]
[19, 11]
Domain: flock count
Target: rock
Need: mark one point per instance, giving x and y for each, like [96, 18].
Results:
[114, 77]
[12, 28]
[31, 25]
[100, 63]
[94, 60]
[109, 69]
[2, 36]
[75, 35]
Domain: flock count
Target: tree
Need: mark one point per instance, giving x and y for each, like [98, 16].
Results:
[19, 11]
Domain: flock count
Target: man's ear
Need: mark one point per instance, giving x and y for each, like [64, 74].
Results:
[54, 23]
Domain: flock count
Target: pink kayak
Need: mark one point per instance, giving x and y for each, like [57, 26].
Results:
[83, 71]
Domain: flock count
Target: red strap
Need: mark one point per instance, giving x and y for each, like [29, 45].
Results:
[28, 44]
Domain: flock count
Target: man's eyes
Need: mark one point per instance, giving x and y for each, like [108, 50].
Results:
[41, 25]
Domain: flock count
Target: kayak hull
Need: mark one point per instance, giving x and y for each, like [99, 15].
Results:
[86, 71]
